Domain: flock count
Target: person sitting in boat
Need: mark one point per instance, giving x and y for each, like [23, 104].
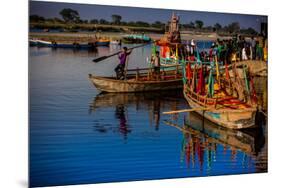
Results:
[155, 60]
[123, 57]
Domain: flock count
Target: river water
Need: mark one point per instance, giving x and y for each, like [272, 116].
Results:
[79, 135]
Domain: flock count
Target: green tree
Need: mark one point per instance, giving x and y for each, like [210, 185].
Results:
[36, 18]
[199, 24]
[142, 24]
[94, 21]
[158, 24]
[103, 21]
[249, 31]
[217, 26]
[70, 15]
[234, 27]
[116, 19]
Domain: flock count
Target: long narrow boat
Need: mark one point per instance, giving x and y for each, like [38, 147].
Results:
[136, 39]
[140, 80]
[229, 105]
[102, 42]
[42, 43]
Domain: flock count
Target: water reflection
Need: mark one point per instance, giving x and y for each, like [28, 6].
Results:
[90, 52]
[203, 138]
[124, 137]
[120, 114]
[151, 102]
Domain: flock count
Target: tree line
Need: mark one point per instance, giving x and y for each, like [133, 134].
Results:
[70, 16]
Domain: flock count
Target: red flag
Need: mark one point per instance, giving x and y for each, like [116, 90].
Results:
[200, 86]
[226, 72]
[188, 72]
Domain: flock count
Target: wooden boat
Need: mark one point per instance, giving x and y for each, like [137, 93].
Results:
[249, 142]
[74, 45]
[229, 104]
[42, 43]
[32, 42]
[102, 42]
[53, 44]
[139, 80]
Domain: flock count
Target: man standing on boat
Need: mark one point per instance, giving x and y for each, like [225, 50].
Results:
[123, 57]
[156, 64]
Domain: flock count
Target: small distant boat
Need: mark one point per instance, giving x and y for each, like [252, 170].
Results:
[138, 82]
[131, 39]
[32, 42]
[43, 43]
[53, 44]
[74, 45]
[102, 42]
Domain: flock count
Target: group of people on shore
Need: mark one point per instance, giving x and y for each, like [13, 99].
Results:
[226, 51]
[229, 50]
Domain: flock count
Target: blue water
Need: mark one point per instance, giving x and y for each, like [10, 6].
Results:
[79, 136]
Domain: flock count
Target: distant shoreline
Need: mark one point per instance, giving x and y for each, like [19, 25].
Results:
[88, 36]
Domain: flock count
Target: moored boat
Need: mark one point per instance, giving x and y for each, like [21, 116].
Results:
[74, 45]
[228, 102]
[43, 43]
[53, 44]
[131, 39]
[32, 42]
[102, 42]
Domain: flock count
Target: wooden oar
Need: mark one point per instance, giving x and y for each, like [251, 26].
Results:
[107, 56]
[185, 110]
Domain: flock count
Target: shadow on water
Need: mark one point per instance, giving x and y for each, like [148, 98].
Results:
[152, 102]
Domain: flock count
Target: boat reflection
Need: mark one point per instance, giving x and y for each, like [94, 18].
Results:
[202, 138]
[149, 102]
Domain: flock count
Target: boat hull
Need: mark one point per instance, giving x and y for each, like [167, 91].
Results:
[110, 84]
[135, 41]
[233, 119]
[106, 43]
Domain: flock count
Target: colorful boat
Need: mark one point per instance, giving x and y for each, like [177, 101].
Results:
[135, 39]
[227, 101]
[139, 80]
[102, 42]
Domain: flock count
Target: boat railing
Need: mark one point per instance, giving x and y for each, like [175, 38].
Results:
[170, 61]
[171, 71]
[201, 99]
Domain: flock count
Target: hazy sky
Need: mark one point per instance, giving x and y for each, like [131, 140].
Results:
[86, 11]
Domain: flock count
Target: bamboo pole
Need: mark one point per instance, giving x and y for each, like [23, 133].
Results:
[185, 110]
[211, 110]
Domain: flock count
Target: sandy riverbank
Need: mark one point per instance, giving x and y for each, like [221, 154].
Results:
[88, 36]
